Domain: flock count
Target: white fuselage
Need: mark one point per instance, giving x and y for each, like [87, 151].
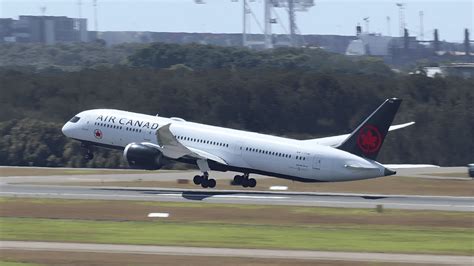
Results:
[247, 151]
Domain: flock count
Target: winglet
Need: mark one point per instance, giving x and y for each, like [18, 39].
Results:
[367, 139]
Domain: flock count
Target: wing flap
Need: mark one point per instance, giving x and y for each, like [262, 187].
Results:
[172, 148]
[206, 155]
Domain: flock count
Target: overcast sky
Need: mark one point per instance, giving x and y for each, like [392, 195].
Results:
[225, 16]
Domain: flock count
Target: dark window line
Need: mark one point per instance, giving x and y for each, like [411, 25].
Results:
[118, 127]
[273, 153]
[210, 142]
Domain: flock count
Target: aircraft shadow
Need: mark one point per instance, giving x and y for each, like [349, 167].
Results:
[199, 195]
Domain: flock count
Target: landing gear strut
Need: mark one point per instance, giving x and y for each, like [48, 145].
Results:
[244, 180]
[204, 181]
[88, 154]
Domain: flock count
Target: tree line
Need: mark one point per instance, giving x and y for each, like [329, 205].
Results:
[300, 93]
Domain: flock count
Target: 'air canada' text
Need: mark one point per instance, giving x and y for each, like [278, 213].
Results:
[127, 122]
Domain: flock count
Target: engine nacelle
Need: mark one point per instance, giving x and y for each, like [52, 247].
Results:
[140, 156]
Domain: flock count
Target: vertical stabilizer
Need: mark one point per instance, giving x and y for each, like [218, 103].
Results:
[367, 139]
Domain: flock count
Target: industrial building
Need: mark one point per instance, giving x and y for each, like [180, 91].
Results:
[44, 29]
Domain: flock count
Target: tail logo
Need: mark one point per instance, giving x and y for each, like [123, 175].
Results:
[369, 139]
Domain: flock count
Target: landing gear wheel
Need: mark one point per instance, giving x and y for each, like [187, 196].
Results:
[251, 182]
[244, 181]
[211, 183]
[197, 179]
[204, 183]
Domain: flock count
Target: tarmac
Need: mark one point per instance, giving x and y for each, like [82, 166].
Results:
[346, 200]
[234, 252]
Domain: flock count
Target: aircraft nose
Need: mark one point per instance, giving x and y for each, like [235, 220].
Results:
[66, 129]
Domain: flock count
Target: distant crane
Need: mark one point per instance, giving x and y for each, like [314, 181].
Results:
[401, 15]
[270, 17]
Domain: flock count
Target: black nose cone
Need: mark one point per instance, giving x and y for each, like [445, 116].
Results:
[388, 172]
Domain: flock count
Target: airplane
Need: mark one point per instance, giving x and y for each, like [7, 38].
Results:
[150, 142]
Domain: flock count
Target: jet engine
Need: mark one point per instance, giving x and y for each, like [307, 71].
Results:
[140, 156]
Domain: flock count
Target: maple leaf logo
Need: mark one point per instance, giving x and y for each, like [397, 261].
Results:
[98, 134]
[369, 139]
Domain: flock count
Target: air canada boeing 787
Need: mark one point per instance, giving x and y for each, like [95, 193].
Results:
[149, 142]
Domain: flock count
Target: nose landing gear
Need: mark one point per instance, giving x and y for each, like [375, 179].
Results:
[88, 154]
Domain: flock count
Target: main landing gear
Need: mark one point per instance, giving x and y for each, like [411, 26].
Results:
[204, 181]
[244, 180]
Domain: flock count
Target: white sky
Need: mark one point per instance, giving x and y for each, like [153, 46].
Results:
[339, 17]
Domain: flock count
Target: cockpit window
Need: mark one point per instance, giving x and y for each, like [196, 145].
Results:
[74, 119]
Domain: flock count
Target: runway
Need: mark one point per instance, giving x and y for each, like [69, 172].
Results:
[346, 200]
[228, 252]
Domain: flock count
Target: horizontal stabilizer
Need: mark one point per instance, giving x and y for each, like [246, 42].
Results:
[360, 167]
[334, 141]
[409, 166]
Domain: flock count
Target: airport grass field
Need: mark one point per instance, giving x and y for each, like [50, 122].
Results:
[247, 226]
[204, 224]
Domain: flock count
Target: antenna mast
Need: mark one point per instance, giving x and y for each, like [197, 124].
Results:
[96, 22]
[43, 10]
[422, 28]
[389, 26]
[367, 23]
[268, 24]
[401, 15]
[79, 8]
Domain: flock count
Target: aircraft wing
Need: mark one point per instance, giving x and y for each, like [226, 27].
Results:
[172, 148]
[336, 140]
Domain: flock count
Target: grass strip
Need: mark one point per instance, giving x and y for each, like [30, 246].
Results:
[37, 171]
[12, 263]
[334, 238]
